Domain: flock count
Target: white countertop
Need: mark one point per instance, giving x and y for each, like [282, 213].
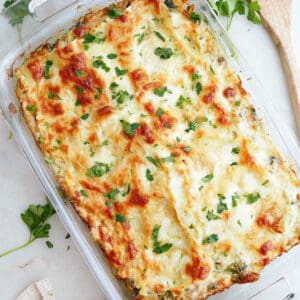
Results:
[18, 186]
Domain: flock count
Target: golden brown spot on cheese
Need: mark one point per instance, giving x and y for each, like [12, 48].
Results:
[36, 68]
[197, 269]
[52, 108]
[249, 277]
[139, 78]
[209, 94]
[145, 131]
[90, 187]
[105, 111]
[229, 92]
[165, 121]
[266, 247]
[80, 31]
[132, 250]
[136, 198]
[189, 69]
[149, 108]
[245, 157]
[153, 85]
[275, 225]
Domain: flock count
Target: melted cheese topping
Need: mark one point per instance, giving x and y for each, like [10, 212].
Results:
[155, 141]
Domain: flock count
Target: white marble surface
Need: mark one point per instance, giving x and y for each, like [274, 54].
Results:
[19, 187]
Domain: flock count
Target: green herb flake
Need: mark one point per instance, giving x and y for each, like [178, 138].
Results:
[32, 108]
[158, 161]
[79, 73]
[83, 193]
[195, 76]
[130, 129]
[159, 112]
[265, 182]
[98, 170]
[207, 178]
[80, 90]
[192, 126]
[140, 37]
[120, 218]
[149, 175]
[211, 239]
[198, 88]
[47, 67]
[99, 63]
[114, 13]
[237, 103]
[234, 199]
[163, 53]
[235, 150]
[211, 216]
[221, 206]
[120, 72]
[252, 198]
[187, 149]
[49, 244]
[162, 91]
[160, 36]
[182, 101]
[158, 248]
[112, 56]
[195, 18]
[85, 116]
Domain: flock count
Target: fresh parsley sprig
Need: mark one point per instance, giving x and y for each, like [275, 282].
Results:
[35, 217]
[228, 8]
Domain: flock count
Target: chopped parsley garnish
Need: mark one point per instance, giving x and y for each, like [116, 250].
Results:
[98, 170]
[158, 161]
[162, 91]
[47, 67]
[36, 219]
[239, 222]
[159, 112]
[187, 149]
[49, 244]
[207, 178]
[198, 88]
[112, 55]
[120, 218]
[85, 116]
[77, 103]
[130, 129]
[99, 90]
[79, 73]
[252, 198]
[211, 69]
[234, 199]
[52, 95]
[32, 108]
[237, 103]
[163, 53]
[160, 36]
[235, 150]
[211, 216]
[211, 239]
[182, 101]
[149, 175]
[265, 182]
[111, 196]
[195, 18]
[140, 37]
[120, 72]
[90, 38]
[120, 95]
[195, 76]
[234, 163]
[80, 90]
[222, 206]
[99, 63]
[193, 126]
[158, 248]
[114, 13]
[83, 193]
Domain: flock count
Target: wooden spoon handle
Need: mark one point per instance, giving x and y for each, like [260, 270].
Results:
[293, 77]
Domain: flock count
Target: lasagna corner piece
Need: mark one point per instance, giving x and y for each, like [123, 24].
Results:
[153, 138]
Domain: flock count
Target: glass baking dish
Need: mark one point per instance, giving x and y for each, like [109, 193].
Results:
[50, 23]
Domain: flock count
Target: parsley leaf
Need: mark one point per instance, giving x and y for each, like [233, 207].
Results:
[120, 218]
[149, 176]
[253, 12]
[162, 91]
[111, 196]
[207, 178]
[112, 56]
[234, 198]
[130, 129]
[158, 248]
[98, 170]
[159, 112]
[193, 125]
[163, 53]
[35, 217]
[99, 63]
[211, 216]
[114, 13]
[182, 101]
[157, 162]
[211, 239]
[47, 67]
[160, 36]
[222, 206]
[252, 198]
[120, 72]
[195, 18]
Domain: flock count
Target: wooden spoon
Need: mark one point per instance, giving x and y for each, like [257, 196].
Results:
[276, 15]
